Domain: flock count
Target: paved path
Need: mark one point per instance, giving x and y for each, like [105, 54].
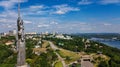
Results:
[53, 46]
[60, 58]
[71, 63]
[86, 64]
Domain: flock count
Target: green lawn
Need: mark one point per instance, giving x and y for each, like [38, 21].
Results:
[45, 44]
[58, 64]
[72, 55]
[7, 65]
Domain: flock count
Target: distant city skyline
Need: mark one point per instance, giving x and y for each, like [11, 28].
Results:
[66, 16]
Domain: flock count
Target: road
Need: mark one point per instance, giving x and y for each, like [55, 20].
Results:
[59, 57]
[53, 46]
[86, 64]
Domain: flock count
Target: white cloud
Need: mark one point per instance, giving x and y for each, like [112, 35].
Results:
[43, 25]
[53, 22]
[107, 24]
[10, 3]
[27, 22]
[82, 23]
[45, 10]
[73, 27]
[4, 20]
[109, 2]
[3, 15]
[103, 2]
[9, 26]
[86, 28]
[85, 2]
[63, 9]
[36, 7]
[35, 10]
[8, 16]
[11, 14]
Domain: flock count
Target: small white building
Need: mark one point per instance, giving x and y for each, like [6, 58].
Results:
[83, 40]
[29, 37]
[68, 37]
[60, 36]
[31, 33]
[96, 44]
[87, 41]
[37, 46]
[38, 51]
[61, 44]
[9, 43]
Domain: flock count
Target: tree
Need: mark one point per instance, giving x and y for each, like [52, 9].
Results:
[103, 64]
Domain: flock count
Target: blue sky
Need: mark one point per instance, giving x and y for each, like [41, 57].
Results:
[67, 16]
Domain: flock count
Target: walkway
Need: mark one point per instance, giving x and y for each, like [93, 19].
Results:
[55, 48]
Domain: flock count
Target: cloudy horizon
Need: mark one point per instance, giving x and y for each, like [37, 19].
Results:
[67, 16]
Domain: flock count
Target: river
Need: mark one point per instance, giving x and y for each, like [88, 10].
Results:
[112, 43]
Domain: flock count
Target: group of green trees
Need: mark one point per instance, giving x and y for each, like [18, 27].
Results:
[113, 53]
[4, 53]
[8, 58]
[75, 44]
[42, 60]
